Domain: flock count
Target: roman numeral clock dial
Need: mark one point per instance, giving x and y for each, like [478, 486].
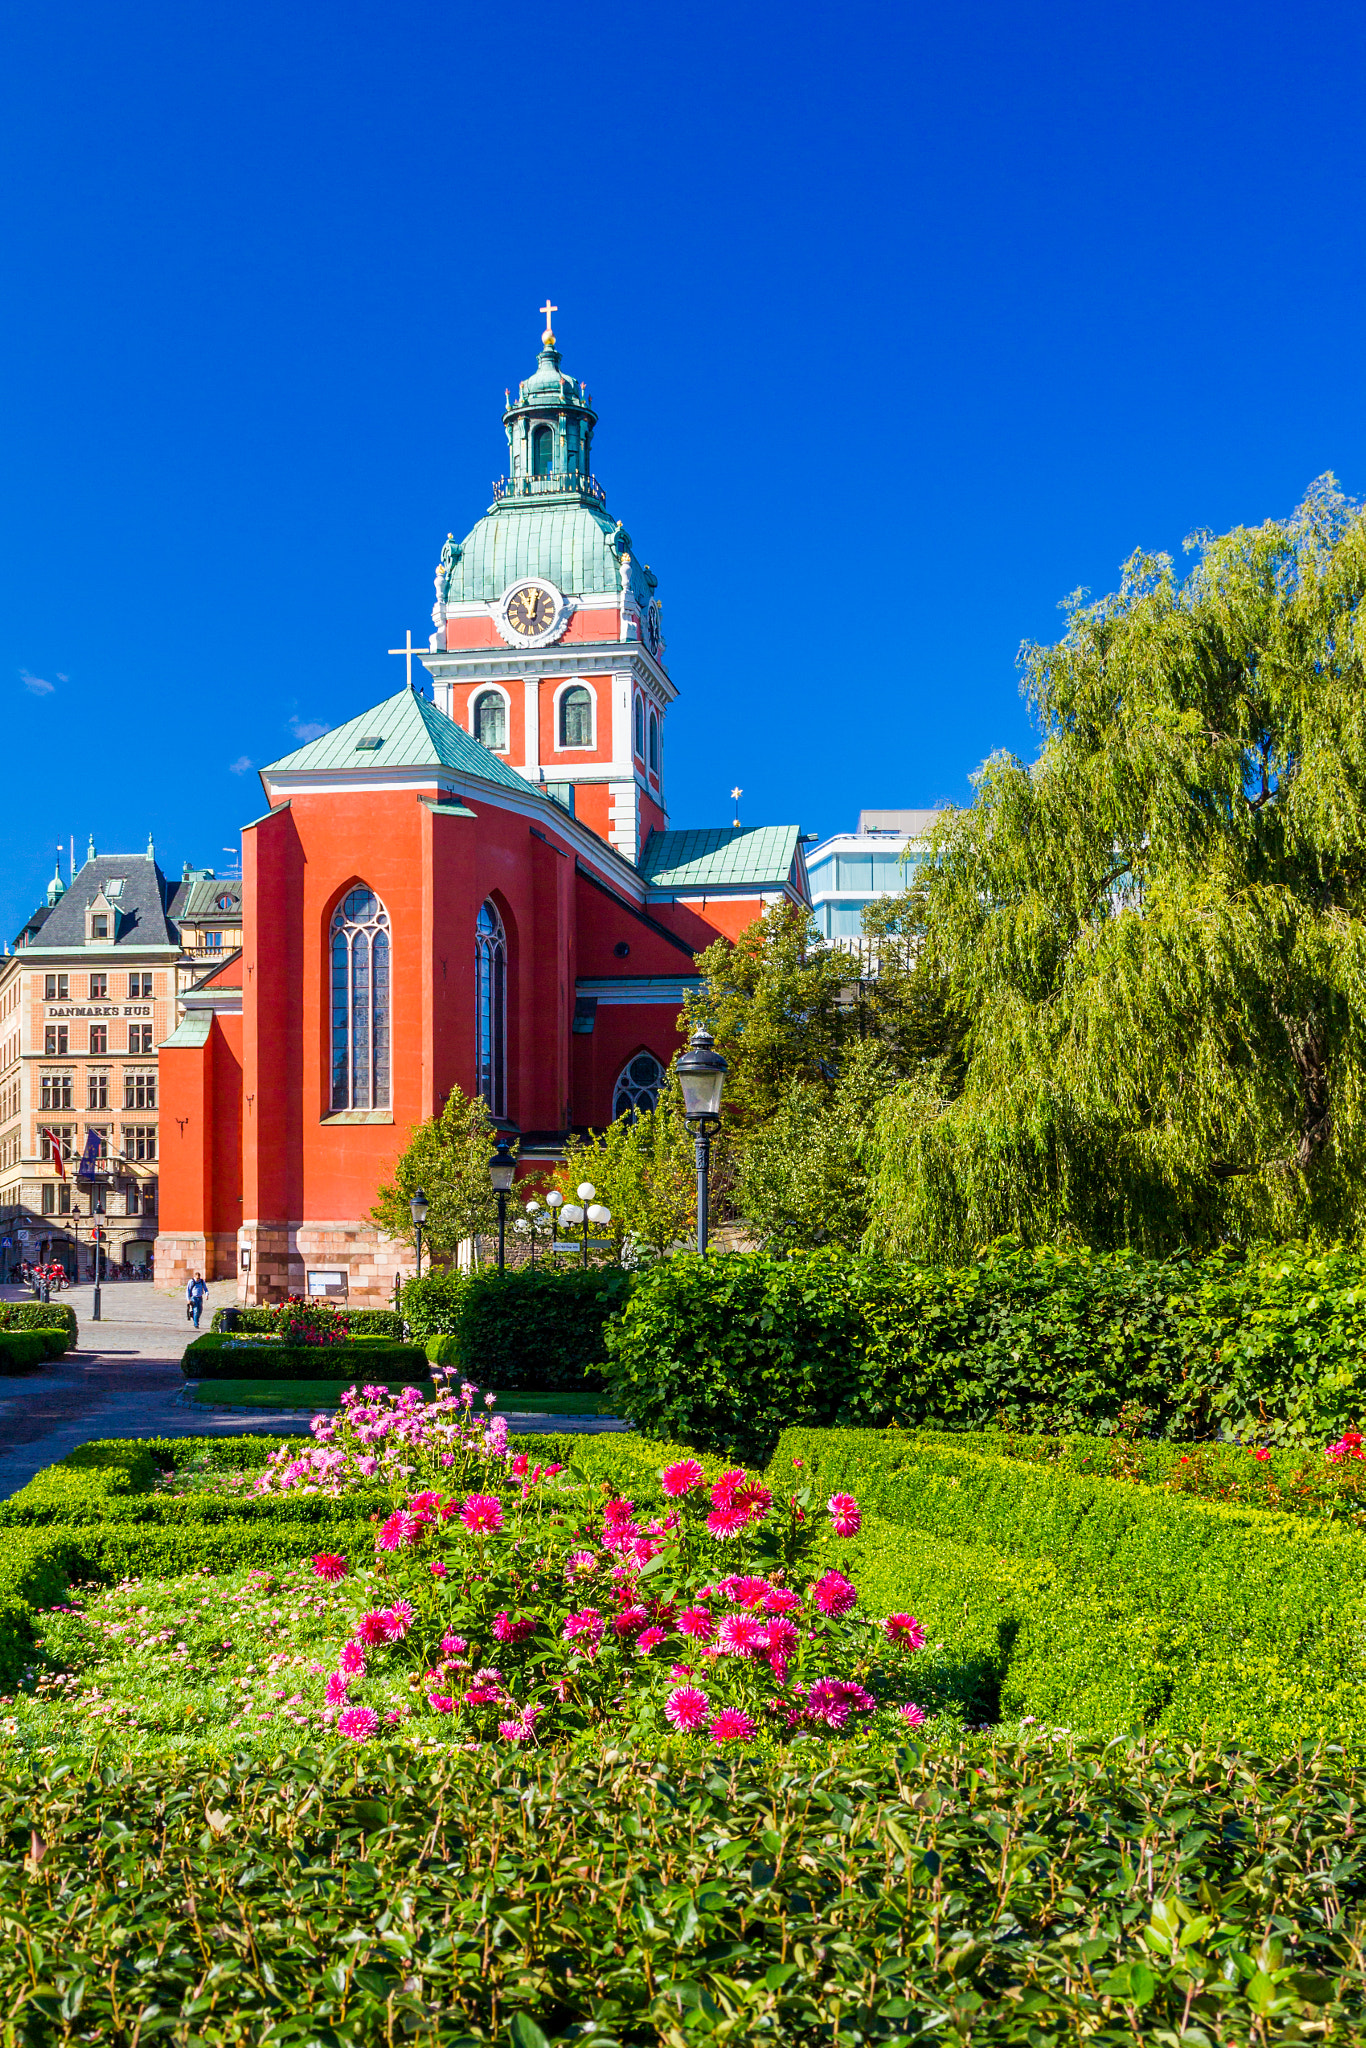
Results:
[531, 612]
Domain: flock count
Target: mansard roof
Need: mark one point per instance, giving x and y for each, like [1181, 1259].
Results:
[411, 733]
[139, 905]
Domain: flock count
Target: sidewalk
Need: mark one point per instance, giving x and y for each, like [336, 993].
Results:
[125, 1381]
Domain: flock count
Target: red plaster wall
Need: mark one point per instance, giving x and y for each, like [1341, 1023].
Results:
[601, 686]
[462, 696]
[184, 1079]
[225, 1056]
[593, 626]
[619, 1032]
[593, 807]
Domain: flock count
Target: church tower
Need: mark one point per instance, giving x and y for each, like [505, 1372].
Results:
[548, 647]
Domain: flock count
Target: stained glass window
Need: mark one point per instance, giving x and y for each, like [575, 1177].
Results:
[490, 963]
[638, 1085]
[576, 717]
[490, 721]
[360, 1002]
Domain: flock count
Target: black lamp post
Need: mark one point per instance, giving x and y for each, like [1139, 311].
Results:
[417, 1209]
[502, 1169]
[702, 1076]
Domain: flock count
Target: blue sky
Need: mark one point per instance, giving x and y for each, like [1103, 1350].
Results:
[902, 322]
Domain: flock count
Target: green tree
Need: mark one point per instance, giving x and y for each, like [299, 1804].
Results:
[1146, 949]
[643, 1169]
[448, 1158]
[803, 1176]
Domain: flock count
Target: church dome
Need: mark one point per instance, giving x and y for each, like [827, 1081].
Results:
[567, 543]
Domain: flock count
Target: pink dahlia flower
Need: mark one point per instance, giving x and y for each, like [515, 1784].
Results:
[725, 1488]
[399, 1531]
[523, 1729]
[440, 1702]
[370, 1628]
[337, 1683]
[482, 1514]
[587, 1622]
[905, 1631]
[351, 1660]
[424, 1503]
[825, 1704]
[726, 1522]
[845, 1513]
[686, 1708]
[782, 1638]
[618, 1511]
[451, 1646]
[359, 1723]
[508, 1630]
[520, 1465]
[650, 1639]
[753, 1500]
[696, 1622]
[580, 1561]
[741, 1635]
[629, 1620]
[483, 1695]
[833, 1594]
[684, 1477]
[744, 1589]
[397, 1620]
[732, 1724]
[912, 1715]
[327, 1565]
[781, 1600]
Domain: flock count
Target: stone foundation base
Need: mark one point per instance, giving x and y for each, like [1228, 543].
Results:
[284, 1254]
[180, 1253]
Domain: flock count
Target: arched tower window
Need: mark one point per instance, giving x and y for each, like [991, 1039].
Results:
[490, 721]
[654, 744]
[359, 944]
[542, 451]
[638, 1086]
[640, 729]
[490, 981]
[576, 717]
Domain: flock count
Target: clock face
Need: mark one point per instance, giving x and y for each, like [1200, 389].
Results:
[531, 611]
[652, 627]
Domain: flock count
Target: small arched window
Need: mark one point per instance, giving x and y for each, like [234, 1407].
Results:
[640, 730]
[654, 744]
[359, 944]
[490, 981]
[638, 1086]
[491, 721]
[542, 451]
[576, 717]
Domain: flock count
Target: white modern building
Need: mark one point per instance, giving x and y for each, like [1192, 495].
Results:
[852, 869]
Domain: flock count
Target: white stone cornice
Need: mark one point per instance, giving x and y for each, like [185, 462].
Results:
[584, 657]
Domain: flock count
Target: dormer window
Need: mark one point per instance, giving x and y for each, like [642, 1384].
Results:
[542, 451]
[223, 903]
[371, 744]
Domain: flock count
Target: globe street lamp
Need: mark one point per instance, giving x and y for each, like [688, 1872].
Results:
[417, 1209]
[554, 1201]
[528, 1223]
[502, 1169]
[702, 1075]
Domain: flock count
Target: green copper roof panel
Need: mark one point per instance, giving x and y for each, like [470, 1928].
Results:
[412, 734]
[193, 1029]
[568, 544]
[723, 856]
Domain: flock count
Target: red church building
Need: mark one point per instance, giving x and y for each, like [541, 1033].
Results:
[474, 884]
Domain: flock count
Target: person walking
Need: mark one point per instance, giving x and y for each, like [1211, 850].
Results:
[194, 1298]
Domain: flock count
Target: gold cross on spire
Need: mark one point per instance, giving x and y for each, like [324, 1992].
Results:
[548, 338]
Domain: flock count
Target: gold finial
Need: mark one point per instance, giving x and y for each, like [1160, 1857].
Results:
[548, 338]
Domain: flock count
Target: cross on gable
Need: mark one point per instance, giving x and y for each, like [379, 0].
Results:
[409, 651]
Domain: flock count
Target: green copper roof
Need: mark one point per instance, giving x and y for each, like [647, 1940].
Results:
[722, 857]
[193, 1029]
[570, 545]
[412, 733]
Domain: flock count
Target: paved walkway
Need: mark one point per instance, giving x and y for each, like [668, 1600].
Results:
[125, 1381]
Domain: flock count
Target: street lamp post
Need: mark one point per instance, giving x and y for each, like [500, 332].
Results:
[585, 1211]
[417, 1209]
[702, 1075]
[554, 1201]
[502, 1170]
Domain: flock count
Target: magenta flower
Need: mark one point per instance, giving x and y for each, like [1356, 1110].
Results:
[782, 1638]
[482, 1513]
[684, 1477]
[523, 1729]
[744, 1589]
[782, 1600]
[424, 1503]
[337, 1683]
[400, 1531]
[327, 1565]
[437, 1569]
[351, 1660]
[440, 1702]
[741, 1635]
[451, 1646]
[650, 1639]
[904, 1630]
[370, 1628]
[725, 1488]
[580, 1561]
[753, 1500]
[726, 1522]
[696, 1622]
[629, 1620]
[618, 1511]
[506, 1630]
[833, 1594]
[587, 1622]
[397, 1620]
[482, 1695]
[359, 1723]
[825, 1704]
[845, 1513]
[732, 1724]
[686, 1708]
[912, 1715]
[519, 1466]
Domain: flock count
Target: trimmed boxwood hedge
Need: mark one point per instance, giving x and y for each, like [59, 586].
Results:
[363, 1359]
[270, 1319]
[20, 1349]
[536, 1330]
[40, 1315]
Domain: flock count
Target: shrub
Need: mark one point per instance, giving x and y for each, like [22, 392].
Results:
[215, 1356]
[40, 1315]
[20, 1349]
[272, 1318]
[531, 1330]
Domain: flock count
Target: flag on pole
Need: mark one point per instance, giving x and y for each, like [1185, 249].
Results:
[55, 1142]
[94, 1145]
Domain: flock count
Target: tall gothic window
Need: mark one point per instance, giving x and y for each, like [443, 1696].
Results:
[638, 1086]
[576, 717]
[490, 721]
[360, 1002]
[654, 744]
[490, 980]
[640, 730]
[542, 451]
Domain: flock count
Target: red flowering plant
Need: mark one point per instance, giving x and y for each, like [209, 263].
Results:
[514, 1615]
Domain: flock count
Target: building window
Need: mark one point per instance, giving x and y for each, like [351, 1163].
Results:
[139, 1038]
[139, 1141]
[491, 721]
[542, 451]
[97, 1091]
[65, 1135]
[654, 744]
[55, 988]
[561, 793]
[99, 1040]
[576, 717]
[214, 941]
[360, 1002]
[223, 903]
[139, 1091]
[99, 988]
[55, 1041]
[490, 962]
[640, 730]
[140, 985]
[56, 1198]
[638, 1086]
[99, 927]
[56, 1091]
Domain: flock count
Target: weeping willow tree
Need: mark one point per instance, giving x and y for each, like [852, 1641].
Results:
[1147, 950]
